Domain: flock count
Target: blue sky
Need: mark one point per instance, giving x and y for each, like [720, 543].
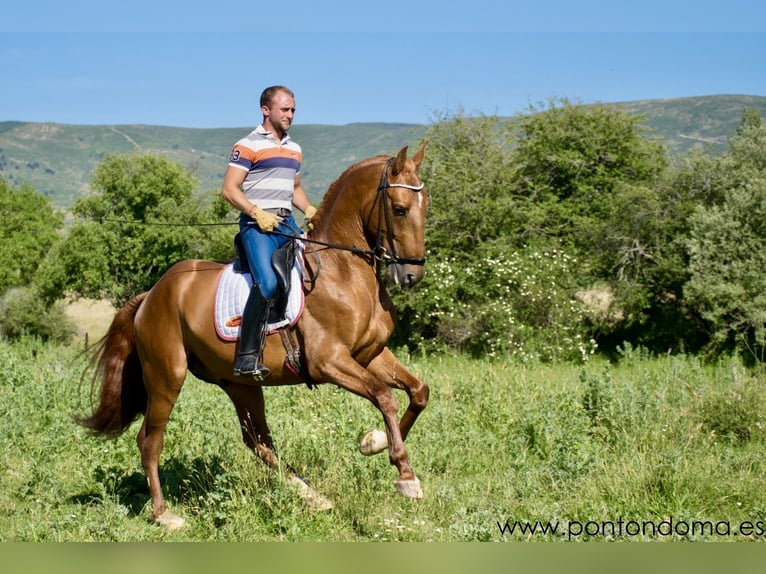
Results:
[169, 63]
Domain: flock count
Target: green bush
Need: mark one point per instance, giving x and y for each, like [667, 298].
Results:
[141, 217]
[23, 313]
[28, 232]
[516, 303]
[727, 247]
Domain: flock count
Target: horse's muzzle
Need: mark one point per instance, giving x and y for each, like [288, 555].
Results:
[404, 275]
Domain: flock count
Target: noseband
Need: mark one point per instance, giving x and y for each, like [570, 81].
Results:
[380, 252]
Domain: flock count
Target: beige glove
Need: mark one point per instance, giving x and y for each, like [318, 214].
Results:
[266, 221]
[310, 212]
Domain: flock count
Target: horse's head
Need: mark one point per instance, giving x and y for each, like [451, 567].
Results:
[382, 202]
[398, 221]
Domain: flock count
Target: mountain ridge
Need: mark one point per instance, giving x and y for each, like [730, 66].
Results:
[58, 159]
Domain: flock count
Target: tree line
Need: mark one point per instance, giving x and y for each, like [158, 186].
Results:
[565, 231]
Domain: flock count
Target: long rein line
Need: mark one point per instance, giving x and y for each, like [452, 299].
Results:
[298, 235]
[379, 252]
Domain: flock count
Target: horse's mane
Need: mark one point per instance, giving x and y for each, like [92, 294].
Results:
[332, 192]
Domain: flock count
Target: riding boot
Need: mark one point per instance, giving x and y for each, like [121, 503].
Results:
[252, 336]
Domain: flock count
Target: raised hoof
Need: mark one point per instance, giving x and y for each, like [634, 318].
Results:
[170, 521]
[315, 501]
[373, 442]
[409, 488]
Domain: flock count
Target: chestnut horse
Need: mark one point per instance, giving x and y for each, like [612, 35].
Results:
[370, 226]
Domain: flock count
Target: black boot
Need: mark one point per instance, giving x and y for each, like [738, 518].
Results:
[252, 334]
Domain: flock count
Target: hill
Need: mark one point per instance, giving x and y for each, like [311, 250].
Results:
[58, 159]
[687, 123]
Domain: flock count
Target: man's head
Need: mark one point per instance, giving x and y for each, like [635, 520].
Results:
[278, 108]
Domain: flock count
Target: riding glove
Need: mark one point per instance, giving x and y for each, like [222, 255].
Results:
[310, 212]
[266, 221]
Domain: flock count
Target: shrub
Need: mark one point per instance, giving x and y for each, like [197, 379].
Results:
[510, 303]
[24, 313]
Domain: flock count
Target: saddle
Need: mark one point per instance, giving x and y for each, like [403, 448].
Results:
[235, 282]
[282, 261]
[234, 286]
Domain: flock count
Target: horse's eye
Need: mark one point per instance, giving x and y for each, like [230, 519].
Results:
[400, 211]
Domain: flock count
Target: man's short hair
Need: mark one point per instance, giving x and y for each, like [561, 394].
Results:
[268, 94]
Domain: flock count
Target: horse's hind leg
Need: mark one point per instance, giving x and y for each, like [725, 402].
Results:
[150, 438]
[251, 411]
[387, 368]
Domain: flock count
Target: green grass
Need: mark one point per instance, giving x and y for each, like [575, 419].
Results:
[597, 448]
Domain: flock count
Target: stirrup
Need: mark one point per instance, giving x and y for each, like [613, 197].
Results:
[248, 366]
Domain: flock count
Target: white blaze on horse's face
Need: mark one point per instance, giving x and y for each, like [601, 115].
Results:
[401, 219]
[404, 270]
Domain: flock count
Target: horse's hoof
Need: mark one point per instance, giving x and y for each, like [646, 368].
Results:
[373, 442]
[409, 488]
[170, 521]
[315, 501]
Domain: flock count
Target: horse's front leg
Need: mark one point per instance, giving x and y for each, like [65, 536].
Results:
[389, 369]
[351, 376]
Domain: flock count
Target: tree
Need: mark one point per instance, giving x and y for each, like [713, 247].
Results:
[29, 230]
[547, 188]
[727, 247]
[592, 177]
[468, 177]
[492, 286]
[141, 217]
[571, 162]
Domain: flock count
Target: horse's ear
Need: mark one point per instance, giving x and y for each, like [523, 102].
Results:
[398, 165]
[418, 157]
[401, 158]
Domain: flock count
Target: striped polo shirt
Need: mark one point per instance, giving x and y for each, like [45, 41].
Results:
[271, 168]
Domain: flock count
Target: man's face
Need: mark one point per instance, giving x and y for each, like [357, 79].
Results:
[281, 111]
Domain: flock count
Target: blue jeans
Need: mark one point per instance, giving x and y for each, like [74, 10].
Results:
[260, 246]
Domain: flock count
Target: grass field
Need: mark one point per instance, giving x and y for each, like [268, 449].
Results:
[647, 449]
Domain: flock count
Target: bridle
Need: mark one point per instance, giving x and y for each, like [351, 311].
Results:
[379, 252]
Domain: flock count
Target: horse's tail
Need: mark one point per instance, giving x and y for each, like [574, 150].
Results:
[117, 376]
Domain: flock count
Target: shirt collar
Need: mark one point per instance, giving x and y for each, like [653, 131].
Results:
[267, 134]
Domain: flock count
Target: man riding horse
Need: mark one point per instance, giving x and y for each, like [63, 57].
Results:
[263, 182]
[373, 217]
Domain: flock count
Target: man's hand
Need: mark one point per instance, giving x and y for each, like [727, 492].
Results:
[266, 221]
[310, 212]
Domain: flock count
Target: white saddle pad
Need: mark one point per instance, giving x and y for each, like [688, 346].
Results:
[231, 296]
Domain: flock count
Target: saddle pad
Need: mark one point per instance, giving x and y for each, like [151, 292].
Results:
[231, 296]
